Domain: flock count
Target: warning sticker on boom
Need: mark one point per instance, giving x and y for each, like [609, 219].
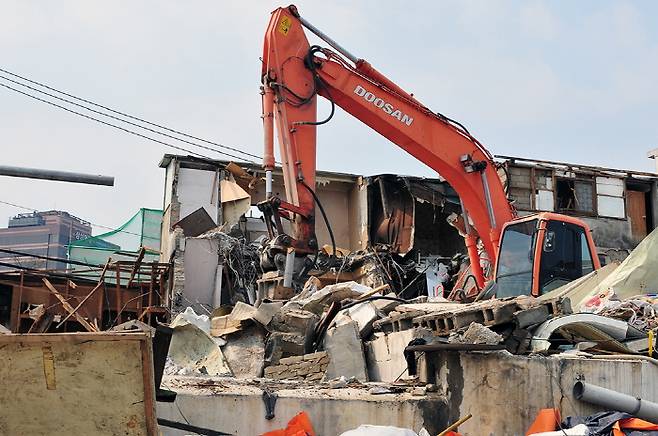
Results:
[284, 25]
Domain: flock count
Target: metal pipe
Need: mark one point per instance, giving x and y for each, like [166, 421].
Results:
[613, 400]
[62, 176]
[320, 34]
[487, 198]
[268, 184]
[290, 264]
[467, 225]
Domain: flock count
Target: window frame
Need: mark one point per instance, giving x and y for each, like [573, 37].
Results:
[574, 212]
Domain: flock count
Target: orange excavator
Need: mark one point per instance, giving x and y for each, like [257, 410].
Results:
[532, 254]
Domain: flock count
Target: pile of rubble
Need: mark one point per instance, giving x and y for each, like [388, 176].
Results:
[364, 331]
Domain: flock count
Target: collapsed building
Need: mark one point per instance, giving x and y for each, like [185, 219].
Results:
[203, 341]
[327, 348]
[406, 214]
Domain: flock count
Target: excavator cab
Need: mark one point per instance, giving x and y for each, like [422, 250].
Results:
[542, 252]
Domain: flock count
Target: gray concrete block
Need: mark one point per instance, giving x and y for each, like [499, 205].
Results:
[532, 316]
[345, 350]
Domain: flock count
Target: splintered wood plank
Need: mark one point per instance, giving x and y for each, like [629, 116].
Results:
[77, 384]
[68, 307]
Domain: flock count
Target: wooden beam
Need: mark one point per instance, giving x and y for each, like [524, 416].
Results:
[138, 264]
[101, 281]
[68, 307]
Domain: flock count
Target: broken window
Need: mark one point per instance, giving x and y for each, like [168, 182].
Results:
[575, 195]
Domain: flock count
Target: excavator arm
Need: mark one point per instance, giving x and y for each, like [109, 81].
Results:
[294, 73]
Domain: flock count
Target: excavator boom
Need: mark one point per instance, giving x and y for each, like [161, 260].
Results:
[294, 73]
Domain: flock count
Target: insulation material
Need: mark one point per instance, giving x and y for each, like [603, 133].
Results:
[235, 201]
[636, 275]
[544, 200]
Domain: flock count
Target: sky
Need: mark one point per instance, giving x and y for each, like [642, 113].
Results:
[558, 80]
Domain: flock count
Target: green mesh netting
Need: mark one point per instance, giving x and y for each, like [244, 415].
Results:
[123, 243]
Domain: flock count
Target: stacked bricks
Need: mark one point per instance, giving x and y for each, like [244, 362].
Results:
[309, 367]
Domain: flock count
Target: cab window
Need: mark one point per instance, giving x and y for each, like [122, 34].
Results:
[515, 260]
[565, 255]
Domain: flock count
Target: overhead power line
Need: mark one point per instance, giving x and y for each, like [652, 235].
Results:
[160, 126]
[112, 117]
[132, 132]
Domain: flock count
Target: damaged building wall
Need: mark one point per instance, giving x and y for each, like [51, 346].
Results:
[619, 206]
[505, 392]
[409, 214]
[343, 200]
[191, 183]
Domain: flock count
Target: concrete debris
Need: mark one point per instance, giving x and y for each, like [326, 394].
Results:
[301, 322]
[364, 315]
[340, 334]
[386, 306]
[192, 351]
[477, 334]
[419, 391]
[245, 352]
[379, 390]
[345, 350]
[280, 345]
[309, 367]
[317, 301]
[224, 325]
[385, 360]
[190, 317]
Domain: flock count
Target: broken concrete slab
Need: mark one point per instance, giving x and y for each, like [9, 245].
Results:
[245, 352]
[266, 310]
[279, 345]
[224, 325]
[345, 350]
[301, 322]
[189, 316]
[386, 306]
[385, 354]
[194, 349]
[530, 317]
[478, 334]
[364, 314]
[322, 298]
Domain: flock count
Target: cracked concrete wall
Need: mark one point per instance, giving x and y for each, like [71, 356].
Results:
[239, 409]
[504, 392]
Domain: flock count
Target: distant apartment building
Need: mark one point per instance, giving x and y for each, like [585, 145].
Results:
[41, 233]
